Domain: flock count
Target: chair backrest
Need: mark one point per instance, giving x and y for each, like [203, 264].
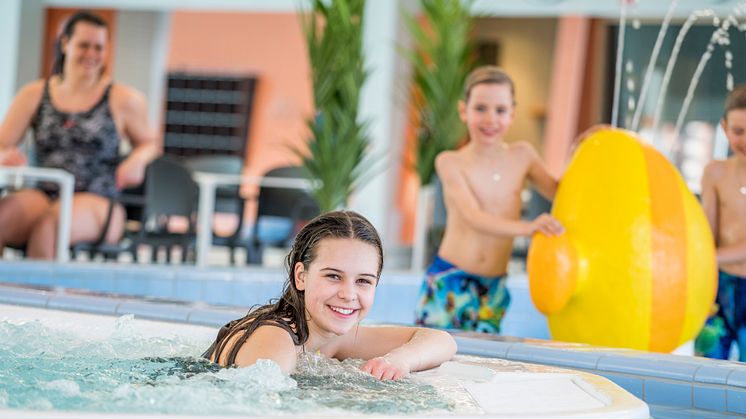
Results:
[295, 204]
[170, 190]
[227, 198]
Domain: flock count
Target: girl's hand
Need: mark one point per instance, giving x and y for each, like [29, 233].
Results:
[547, 225]
[12, 157]
[383, 368]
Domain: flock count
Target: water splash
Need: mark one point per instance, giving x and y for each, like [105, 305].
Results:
[672, 62]
[618, 71]
[720, 36]
[651, 65]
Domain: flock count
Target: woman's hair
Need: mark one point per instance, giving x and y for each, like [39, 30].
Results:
[67, 32]
[488, 74]
[736, 100]
[289, 311]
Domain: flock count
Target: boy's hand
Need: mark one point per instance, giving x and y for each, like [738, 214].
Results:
[547, 225]
[12, 157]
[384, 369]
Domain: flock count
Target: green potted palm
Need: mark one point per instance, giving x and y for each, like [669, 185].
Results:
[337, 150]
[441, 57]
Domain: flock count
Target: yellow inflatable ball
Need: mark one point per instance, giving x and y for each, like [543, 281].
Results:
[636, 265]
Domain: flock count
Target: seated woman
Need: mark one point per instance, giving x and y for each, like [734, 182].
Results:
[333, 270]
[78, 117]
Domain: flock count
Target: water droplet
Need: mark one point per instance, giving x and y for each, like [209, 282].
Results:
[631, 104]
[629, 66]
[728, 55]
[636, 23]
[728, 64]
[729, 82]
[631, 85]
[715, 21]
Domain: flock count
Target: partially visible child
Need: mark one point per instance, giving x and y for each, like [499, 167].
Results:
[464, 287]
[333, 270]
[724, 203]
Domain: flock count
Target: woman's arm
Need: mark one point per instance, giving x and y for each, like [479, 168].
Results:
[145, 143]
[393, 352]
[17, 121]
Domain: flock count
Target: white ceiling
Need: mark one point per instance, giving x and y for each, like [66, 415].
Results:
[529, 8]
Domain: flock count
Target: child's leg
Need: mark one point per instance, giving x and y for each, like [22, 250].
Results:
[718, 333]
[740, 317]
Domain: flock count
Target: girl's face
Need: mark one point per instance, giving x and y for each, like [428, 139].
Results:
[339, 285]
[488, 113]
[735, 130]
[85, 49]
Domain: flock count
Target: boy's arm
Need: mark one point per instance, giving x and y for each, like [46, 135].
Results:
[543, 181]
[458, 192]
[393, 352]
[17, 120]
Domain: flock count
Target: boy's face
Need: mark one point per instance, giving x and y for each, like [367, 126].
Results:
[488, 113]
[734, 125]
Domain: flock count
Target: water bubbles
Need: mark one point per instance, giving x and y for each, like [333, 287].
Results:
[629, 66]
[715, 21]
[729, 82]
[631, 104]
[636, 23]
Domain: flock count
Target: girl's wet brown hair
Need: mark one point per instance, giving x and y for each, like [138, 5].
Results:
[488, 74]
[735, 100]
[290, 308]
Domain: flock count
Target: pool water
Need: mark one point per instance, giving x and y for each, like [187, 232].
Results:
[128, 372]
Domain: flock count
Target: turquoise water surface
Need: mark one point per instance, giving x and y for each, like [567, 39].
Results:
[48, 369]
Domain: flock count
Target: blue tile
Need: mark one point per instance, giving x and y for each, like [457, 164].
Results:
[632, 384]
[130, 285]
[84, 304]
[219, 292]
[736, 400]
[712, 373]
[632, 363]
[213, 318]
[482, 347]
[168, 312]
[249, 293]
[188, 289]
[23, 297]
[709, 397]
[668, 393]
[737, 377]
[554, 356]
[162, 287]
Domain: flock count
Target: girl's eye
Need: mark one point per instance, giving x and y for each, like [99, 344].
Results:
[333, 276]
[365, 281]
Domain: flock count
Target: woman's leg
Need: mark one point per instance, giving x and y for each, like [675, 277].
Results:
[19, 212]
[89, 212]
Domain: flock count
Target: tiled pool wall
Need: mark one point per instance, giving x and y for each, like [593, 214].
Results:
[396, 296]
[674, 386]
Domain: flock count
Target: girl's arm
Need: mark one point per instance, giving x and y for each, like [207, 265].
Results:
[393, 352]
[267, 342]
[145, 144]
[17, 120]
[459, 193]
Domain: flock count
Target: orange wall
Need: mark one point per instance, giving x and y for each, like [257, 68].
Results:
[268, 46]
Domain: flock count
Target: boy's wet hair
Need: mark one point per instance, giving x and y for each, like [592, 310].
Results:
[488, 74]
[735, 100]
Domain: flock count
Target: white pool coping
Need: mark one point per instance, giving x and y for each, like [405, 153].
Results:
[542, 392]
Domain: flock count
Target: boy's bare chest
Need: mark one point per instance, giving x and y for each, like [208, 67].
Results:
[496, 187]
